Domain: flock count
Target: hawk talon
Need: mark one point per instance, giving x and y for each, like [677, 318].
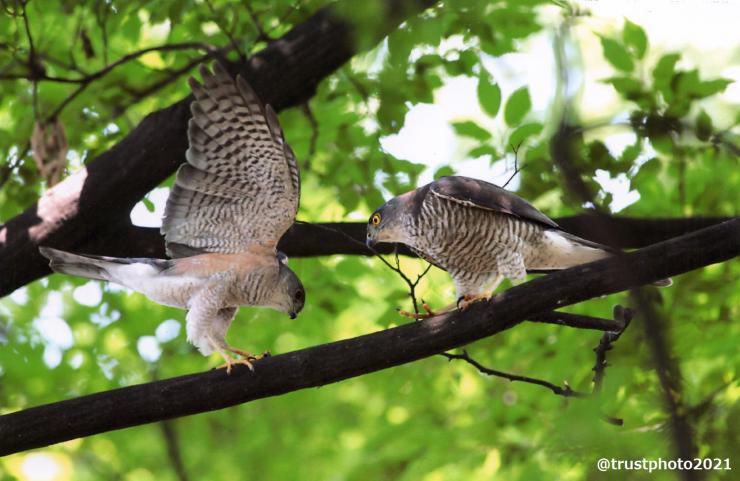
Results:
[246, 358]
[230, 361]
[413, 315]
[248, 355]
[459, 300]
[467, 300]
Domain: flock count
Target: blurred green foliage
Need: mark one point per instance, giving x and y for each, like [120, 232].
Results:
[431, 420]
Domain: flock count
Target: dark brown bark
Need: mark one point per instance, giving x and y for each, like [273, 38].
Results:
[329, 363]
[95, 202]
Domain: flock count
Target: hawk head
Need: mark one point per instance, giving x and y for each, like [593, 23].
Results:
[387, 222]
[290, 296]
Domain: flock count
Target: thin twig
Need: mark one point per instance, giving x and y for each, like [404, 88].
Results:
[565, 391]
[624, 316]
[306, 109]
[227, 31]
[86, 81]
[139, 95]
[516, 163]
[261, 34]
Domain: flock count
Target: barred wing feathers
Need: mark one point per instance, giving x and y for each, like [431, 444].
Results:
[240, 186]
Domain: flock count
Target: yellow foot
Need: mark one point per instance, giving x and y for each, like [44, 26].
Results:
[465, 301]
[230, 361]
[427, 314]
[246, 359]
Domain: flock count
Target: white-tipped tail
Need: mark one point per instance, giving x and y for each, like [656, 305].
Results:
[563, 250]
[127, 271]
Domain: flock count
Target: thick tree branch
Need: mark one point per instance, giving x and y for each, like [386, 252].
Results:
[328, 363]
[95, 202]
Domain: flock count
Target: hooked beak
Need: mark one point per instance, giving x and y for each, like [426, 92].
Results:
[370, 242]
[292, 315]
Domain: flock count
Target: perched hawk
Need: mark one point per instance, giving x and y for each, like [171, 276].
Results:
[231, 202]
[479, 233]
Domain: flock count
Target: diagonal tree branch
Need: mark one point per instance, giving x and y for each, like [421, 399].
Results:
[328, 363]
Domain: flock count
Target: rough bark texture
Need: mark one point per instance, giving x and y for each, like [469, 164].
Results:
[94, 203]
[328, 363]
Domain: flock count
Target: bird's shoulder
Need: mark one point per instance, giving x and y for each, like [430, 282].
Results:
[241, 263]
[480, 194]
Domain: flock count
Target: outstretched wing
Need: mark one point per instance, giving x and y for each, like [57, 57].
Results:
[484, 195]
[240, 186]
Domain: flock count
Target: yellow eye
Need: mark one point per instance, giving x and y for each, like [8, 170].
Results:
[375, 219]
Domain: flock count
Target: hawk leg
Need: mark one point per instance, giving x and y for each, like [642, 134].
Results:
[428, 312]
[229, 361]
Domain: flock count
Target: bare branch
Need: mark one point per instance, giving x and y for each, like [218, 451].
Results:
[565, 391]
[623, 316]
[516, 164]
[88, 79]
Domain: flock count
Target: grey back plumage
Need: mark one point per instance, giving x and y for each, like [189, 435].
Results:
[241, 183]
[484, 195]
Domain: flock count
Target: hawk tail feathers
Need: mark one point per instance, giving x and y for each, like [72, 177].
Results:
[571, 250]
[75, 265]
[127, 271]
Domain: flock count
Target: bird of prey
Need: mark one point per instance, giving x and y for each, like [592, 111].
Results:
[479, 233]
[231, 203]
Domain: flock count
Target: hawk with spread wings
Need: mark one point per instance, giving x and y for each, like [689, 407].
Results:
[231, 203]
[479, 233]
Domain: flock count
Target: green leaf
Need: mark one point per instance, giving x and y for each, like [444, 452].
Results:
[627, 86]
[524, 132]
[517, 106]
[634, 37]
[600, 156]
[444, 171]
[631, 152]
[482, 150]
[663, 74]
[666, 66]
[148, 204]
[689, 85]
[400, 44]
[708, 88]
[617, 55]
[489, 94]
[469, 128]
[703, 126]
